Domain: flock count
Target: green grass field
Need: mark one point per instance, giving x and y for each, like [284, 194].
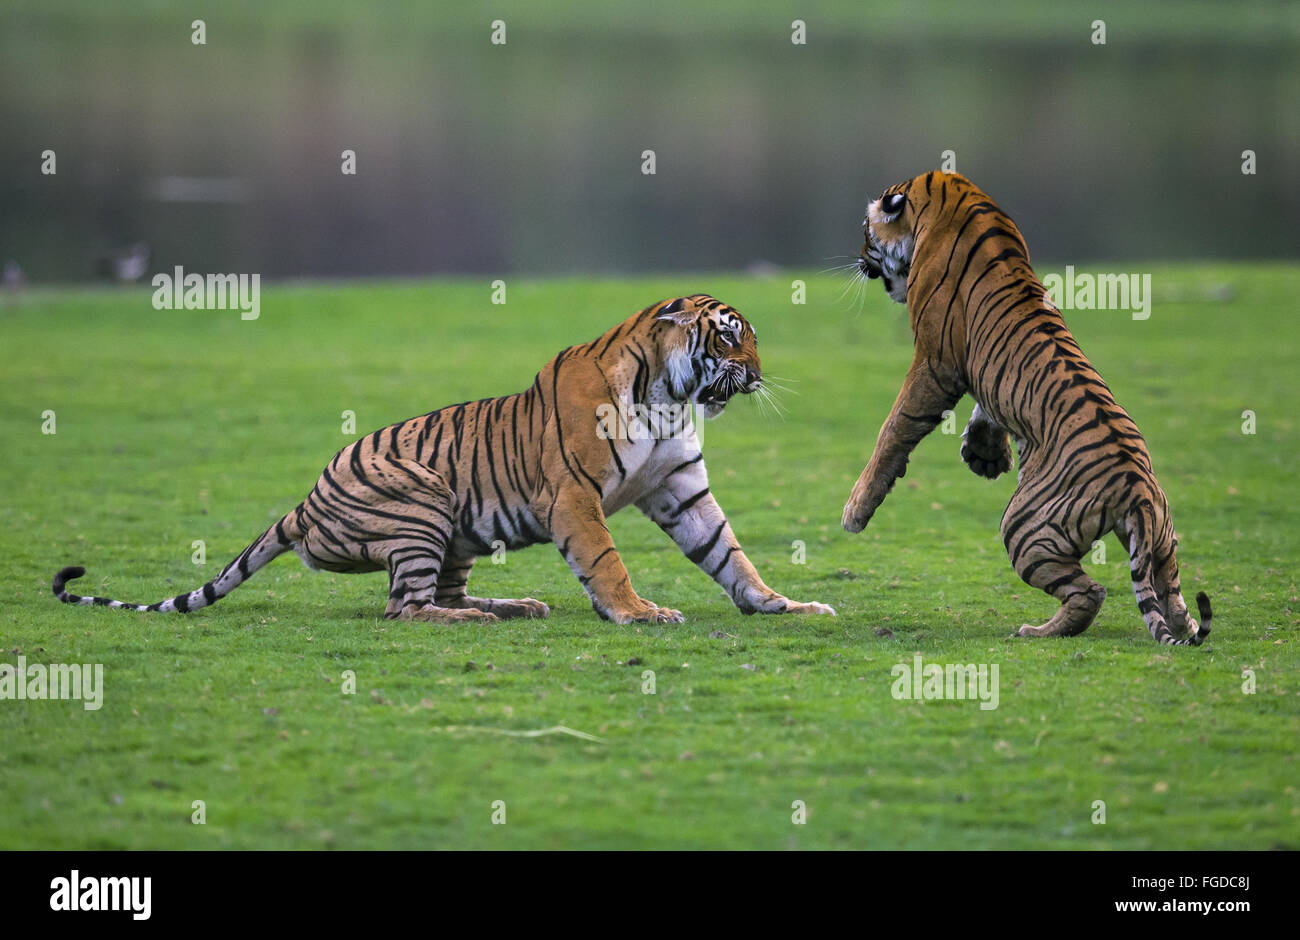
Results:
[176, 426]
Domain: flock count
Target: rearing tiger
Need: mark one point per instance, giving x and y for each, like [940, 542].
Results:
[983, 324]
[422, 499]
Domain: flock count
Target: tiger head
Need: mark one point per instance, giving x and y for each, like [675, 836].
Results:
[925, 217]
[888, 241]
[711, 353]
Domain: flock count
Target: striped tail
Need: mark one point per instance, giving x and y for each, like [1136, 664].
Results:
[270, 544]
[1151, 559]
[1203, 608]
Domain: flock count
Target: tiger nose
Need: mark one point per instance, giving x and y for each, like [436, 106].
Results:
[752, 379]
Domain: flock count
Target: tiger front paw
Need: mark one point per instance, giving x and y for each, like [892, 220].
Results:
[986, 449]
[795, 607]
[858, 512]
[873, 485]
[646, 612]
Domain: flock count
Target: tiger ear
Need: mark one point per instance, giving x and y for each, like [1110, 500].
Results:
[681, 311]
[892, 205]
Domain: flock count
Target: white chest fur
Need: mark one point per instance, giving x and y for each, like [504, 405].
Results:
[654, 438]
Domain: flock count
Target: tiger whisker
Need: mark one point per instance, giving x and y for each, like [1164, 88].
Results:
[778, 384]
[766, 397]
[849, 286]
[839, 267]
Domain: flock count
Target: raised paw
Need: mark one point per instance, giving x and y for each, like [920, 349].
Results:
[857, 513]
[986, 448]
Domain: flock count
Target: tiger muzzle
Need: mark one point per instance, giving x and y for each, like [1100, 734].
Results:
[736, 379]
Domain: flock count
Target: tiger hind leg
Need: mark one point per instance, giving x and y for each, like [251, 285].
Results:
[377, 513]
[1080, 596]
[1046, 556]
[452, 593]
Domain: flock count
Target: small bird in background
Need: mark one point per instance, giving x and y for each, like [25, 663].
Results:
[127, 265]
[13, 276]
[14, 281]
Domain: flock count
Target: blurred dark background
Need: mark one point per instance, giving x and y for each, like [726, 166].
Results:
[527, 157]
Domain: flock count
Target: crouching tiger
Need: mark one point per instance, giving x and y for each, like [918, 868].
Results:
[424, 498]
[982, 323]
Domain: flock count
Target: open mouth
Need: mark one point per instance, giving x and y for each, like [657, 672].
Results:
[733, 378]
[714, 397]
[712, 400]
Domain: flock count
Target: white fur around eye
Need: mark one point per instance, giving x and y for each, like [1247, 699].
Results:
[729, 329]
[877, 214]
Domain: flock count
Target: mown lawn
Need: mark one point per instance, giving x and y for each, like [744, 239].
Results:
[176, 426]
